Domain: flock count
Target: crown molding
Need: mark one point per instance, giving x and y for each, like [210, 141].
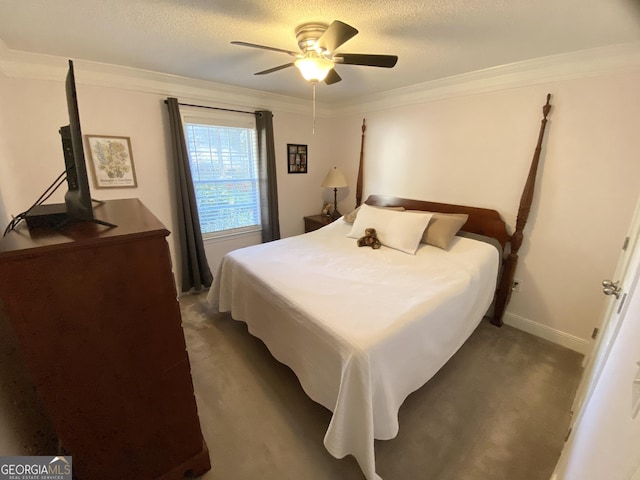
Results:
[566, 66]
[554, 68]
[19, 64]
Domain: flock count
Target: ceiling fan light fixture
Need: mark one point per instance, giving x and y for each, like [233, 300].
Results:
[314, 69]
[318, 43]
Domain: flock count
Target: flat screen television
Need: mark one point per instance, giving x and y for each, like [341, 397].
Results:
[78, 205]
[78, 197]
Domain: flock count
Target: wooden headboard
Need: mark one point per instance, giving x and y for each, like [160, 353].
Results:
[481, 220]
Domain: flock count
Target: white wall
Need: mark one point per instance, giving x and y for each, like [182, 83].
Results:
[301, 194]
[4, 147]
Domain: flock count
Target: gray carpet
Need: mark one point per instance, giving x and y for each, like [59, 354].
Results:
[499, 410]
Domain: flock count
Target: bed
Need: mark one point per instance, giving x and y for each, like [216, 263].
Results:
[363, 328]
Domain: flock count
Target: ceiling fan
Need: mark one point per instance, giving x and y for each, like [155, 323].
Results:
[317, 58]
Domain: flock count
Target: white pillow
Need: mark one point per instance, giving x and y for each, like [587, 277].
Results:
[399, 230]
[351, 217]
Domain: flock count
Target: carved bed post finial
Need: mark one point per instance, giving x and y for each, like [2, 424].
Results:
[360, 167]
[504, 290]
[547, 107]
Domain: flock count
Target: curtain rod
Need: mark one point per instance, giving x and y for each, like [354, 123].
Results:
[214, 108]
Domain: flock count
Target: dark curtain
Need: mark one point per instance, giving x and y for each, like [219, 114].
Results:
[267, 177]
[196, 274]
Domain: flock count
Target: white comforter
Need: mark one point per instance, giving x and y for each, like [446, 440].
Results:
[361, 328]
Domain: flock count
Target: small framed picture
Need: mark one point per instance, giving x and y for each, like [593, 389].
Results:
[111, 161]
[297, 159]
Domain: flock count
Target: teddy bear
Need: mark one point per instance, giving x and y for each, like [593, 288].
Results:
[370, 239]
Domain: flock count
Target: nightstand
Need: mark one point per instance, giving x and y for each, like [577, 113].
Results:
[314, 222]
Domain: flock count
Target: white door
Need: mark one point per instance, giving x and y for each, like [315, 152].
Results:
[617, 288]
[605, 438]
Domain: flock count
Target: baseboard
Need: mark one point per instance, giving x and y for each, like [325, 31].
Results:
[571, 342]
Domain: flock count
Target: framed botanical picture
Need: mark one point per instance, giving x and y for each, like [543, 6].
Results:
[297, 158]
[111, 161]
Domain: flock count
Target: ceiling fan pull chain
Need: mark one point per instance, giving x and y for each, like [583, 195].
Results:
[313, 129]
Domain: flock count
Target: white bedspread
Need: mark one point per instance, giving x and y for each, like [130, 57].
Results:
[361, 328]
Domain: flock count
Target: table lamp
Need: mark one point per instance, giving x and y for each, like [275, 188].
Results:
[334, 179]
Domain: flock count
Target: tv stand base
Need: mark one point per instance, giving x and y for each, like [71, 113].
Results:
[55, 216]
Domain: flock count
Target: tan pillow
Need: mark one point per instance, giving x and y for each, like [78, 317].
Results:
[351, 217]
[442, 228]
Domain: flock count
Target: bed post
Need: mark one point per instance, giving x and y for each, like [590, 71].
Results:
[360, 168]
[506, 284]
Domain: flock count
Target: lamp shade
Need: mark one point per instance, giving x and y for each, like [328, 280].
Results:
[334, 179]
[314, 69]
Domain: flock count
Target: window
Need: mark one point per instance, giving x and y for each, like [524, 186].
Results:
[224, 165]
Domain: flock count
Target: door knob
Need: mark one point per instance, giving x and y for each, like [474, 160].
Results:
[611, 288]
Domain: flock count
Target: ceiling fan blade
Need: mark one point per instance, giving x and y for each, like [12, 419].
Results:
[274, 69]
[335, 35]
[262, 47]
[332, 77]
[386, 61]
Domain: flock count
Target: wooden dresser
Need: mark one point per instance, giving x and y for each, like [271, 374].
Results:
[95, 314]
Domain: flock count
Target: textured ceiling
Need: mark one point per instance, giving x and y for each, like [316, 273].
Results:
[433, 39]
